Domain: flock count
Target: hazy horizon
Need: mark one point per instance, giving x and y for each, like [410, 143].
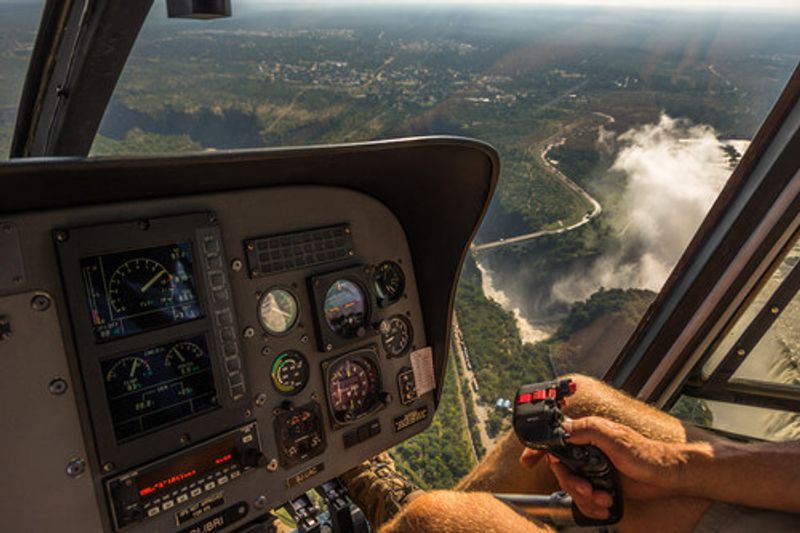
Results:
[765, 6]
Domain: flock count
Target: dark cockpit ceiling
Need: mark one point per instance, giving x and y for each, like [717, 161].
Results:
[224, 331]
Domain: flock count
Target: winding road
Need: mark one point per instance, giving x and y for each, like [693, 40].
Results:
[596, 207]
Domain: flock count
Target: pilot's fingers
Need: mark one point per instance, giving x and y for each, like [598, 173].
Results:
[594, 504]
[530, 458]
[601, 432]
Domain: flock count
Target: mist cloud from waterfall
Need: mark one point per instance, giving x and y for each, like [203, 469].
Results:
[674, 171]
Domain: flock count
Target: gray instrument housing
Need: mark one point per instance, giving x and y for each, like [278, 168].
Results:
[47, 431]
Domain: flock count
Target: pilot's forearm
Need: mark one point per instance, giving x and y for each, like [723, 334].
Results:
[763, 475]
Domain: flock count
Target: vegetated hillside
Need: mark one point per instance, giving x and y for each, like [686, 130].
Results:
[500, 360]
[439, 456]
[595, 330]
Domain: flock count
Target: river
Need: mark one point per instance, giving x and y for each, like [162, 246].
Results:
[527, 331]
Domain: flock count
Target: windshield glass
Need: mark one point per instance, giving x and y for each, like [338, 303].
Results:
[616, 126]
[18, 24]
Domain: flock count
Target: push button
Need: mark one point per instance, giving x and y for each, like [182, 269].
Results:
[233, 364]
[350, 439]
[211, 245]
[374, 428]
[214, 262]
[217, 281]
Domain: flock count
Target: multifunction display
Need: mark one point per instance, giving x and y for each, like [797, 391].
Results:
[140, 290]
[152, 388]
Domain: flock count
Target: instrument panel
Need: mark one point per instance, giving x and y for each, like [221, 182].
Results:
[233, 357]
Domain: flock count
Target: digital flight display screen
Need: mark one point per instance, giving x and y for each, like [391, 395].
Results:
[185, 468]
[140, 290]
[153, 388]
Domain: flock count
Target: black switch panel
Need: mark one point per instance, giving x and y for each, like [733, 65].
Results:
[362, 433]
[407, 386]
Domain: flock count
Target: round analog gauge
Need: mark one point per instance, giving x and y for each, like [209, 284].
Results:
[186, 358]
[396, 335]
[127, 375]
[278, 311]
[345, 308]
[390, 282]
[290, 372]
[140, 285]
[353, 388]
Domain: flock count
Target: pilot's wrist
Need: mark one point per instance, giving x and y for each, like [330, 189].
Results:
[689, 467]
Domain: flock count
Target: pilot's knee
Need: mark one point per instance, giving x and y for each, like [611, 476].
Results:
[424, 513]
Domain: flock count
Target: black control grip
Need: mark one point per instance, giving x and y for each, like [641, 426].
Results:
[590, 463]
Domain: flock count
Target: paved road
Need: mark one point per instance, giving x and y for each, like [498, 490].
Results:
[462, 402]
[596, 207]
[481, 412]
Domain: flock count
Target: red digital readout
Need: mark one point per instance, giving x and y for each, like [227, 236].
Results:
[224, 459]
[166, 482]
[185, 468]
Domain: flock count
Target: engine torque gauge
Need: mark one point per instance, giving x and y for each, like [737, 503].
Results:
[278, 311]
[127, 375]
[140, 285]
[290, 372]
[396, 335]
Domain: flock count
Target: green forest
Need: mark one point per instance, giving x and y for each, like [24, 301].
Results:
[439, 456]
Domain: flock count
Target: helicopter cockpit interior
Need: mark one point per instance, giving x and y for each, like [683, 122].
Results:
[252, 330]
[190, 342]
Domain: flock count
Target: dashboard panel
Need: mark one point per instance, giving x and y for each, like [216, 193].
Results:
[190, 356]
[198, 317]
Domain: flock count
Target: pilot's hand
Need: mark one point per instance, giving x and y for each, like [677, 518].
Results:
[647, 468]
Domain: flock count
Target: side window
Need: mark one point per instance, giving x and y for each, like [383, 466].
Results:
[749, 382]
